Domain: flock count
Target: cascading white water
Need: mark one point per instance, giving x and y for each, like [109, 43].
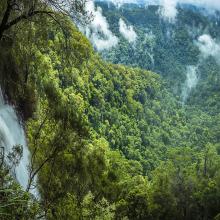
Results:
[12, 134]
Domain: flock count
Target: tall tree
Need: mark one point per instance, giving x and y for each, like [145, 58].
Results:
[14, 11]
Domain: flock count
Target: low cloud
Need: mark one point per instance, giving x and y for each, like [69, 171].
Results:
[98, 30]
[127, 31]
[169, 7]
[208, 47]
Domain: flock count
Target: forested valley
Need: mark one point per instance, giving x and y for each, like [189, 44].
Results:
[108, 112]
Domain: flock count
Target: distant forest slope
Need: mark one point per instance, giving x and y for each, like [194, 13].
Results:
[169, 48]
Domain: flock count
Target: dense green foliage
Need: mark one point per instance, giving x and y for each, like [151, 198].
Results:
[163, 47]
[15, 203]
[109, 141]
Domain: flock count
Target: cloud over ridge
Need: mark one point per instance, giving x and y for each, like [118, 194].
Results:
[168, 10]
[98, 30]
[127, 31]
[209, 47]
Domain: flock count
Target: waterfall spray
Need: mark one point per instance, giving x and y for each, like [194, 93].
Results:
[12, 134]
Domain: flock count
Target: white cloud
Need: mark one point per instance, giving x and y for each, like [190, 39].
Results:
[168, 9]
[209, 47]
[127, 31]
[98, 30]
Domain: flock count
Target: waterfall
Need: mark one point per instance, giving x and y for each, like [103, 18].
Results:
[12, 134]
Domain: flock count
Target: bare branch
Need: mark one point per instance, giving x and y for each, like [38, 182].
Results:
[5, 18]
[72, 8]
[26, 16]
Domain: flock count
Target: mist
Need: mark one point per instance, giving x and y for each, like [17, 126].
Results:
[98, 30]
[209, 47]
[168, 10]
[127, 31]
[169, 7]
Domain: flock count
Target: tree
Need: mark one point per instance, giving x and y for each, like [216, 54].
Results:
[15, 203]
[14, 11]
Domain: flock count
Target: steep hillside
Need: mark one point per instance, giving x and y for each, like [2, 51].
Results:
[107, 141]
[130, 108]
[169, 48]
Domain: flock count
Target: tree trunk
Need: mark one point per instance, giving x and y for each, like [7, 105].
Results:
[5, 18]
